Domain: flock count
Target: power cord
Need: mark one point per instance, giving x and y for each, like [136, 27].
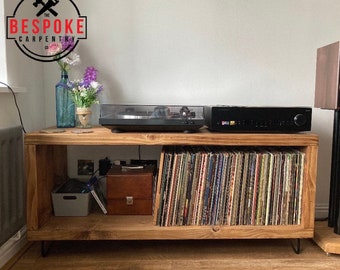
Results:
[16, 105]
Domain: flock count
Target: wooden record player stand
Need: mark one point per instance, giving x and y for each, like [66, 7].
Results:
[46, 166]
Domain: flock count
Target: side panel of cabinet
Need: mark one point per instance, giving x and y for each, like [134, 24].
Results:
[46, 167]
[309, 187]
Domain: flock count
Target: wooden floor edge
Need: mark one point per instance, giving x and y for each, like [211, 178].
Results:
[17, 256]
[326, 239]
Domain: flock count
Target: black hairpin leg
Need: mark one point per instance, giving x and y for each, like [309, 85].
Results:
[296, 248]
[45, 247]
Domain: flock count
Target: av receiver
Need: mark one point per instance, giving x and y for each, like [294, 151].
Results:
[258, 119]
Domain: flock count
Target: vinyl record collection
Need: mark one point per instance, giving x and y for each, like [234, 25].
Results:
[203, 185]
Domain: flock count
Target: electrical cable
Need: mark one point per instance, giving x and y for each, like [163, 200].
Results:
[94, 173]
[321, 219]
[16, 105]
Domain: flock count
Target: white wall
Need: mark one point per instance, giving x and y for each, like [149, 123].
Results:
[22, 72]
[3, 67]
[157, 51]
[232, 52]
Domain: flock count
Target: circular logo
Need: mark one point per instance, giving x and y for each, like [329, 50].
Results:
[54, 21]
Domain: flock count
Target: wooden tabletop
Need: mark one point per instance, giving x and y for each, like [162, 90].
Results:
[103, 136]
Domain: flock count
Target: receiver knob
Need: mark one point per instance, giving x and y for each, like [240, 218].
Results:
[300, 120]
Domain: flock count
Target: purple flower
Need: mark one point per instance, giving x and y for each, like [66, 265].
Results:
[100, 88]
[90, 75]
[67, 43]
[85, 92]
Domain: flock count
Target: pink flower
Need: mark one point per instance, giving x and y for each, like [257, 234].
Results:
[54, 48]
[57, 49]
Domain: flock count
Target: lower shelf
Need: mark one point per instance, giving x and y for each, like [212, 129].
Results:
[97, 226]
[326, 239]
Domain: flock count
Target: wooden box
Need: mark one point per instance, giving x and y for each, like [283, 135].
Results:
[129, 191]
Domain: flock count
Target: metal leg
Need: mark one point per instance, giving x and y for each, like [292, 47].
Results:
[296, 248]
[45, 247]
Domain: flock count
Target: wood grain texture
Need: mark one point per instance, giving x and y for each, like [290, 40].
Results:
[326, 238]
[47, 166]
[103, 136]
[100, 227]
[309, 187]
[327, 77]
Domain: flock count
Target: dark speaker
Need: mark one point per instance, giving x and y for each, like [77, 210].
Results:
[327, 97]
[334, 190]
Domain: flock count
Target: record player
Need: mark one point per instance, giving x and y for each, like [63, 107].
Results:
[151, 117]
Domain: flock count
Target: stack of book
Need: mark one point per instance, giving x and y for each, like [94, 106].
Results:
[230, 186]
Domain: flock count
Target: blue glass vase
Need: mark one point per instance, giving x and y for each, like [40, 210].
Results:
[65, 108]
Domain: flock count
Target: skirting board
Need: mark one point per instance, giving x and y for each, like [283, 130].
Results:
[12, 246]
[321, 211]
